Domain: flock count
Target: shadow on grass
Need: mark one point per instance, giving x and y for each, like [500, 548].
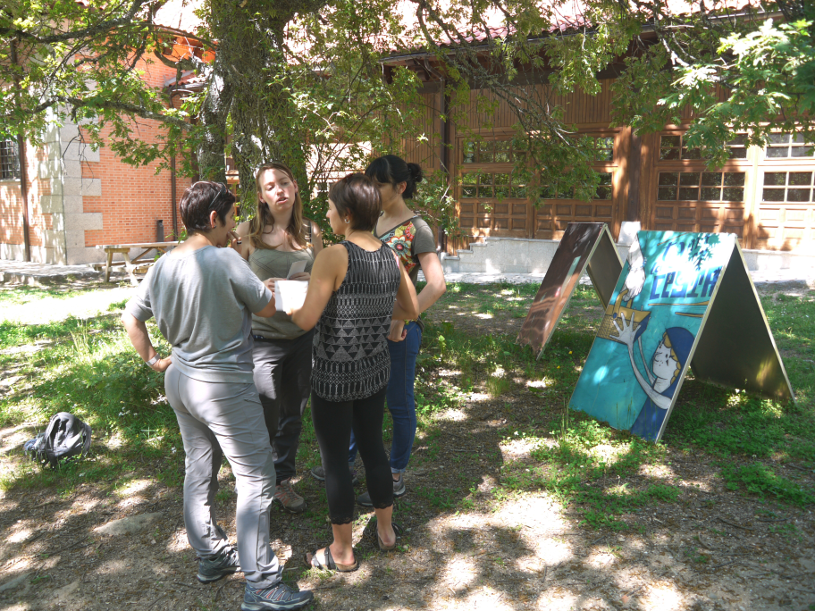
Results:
[512, 501]
[92, 371]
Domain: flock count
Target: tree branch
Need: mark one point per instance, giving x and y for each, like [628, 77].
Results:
[94, 30]
[125, 107]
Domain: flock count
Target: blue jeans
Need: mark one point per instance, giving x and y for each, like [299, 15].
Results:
[401, 401]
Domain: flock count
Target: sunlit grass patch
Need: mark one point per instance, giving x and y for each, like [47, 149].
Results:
[573, 463]
[14, 334]
[90, 370]
[727, 423]
[604, 476]
[18, 295]
[118, 305]
[573, 450]
[521, 447]
[497, 385]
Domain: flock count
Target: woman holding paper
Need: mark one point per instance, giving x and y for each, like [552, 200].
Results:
[356, 287]
[279, 243]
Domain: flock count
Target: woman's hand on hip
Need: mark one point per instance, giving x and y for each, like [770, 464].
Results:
[161, 365]
[397, 332]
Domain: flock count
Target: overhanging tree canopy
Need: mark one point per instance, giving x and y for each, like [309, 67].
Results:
[303, 80]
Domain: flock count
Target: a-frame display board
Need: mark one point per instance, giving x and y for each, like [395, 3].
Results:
[584, 247]
[683, 299]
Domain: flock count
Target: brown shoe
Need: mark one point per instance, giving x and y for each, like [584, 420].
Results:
[288, 498]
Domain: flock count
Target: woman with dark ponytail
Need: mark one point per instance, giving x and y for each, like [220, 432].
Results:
[411, 238]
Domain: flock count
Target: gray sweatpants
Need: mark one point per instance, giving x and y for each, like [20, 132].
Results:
[218, 419]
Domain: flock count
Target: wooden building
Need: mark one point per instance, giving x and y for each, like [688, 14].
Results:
[765, 196]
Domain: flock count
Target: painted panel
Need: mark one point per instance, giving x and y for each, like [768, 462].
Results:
[576, 253]
[645, 343]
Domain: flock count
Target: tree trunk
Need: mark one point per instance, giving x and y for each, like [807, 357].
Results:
[264, 123]
[211, 148]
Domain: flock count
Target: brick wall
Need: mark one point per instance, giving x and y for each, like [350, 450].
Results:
[79, 198]
[12, 241]
[132, 198]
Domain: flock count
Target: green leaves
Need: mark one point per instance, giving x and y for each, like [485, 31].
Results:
[736, 77]
[317, 84]
[759, 479]
[71, 63]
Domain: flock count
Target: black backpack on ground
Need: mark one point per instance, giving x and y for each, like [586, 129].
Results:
[66, 436]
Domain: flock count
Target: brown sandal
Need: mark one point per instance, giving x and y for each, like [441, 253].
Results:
[328, 564]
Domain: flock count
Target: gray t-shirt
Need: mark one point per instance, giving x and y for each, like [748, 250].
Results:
[203, 303]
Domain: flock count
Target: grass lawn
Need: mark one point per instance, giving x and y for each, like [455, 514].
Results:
[468, 352]
[494, 431]
[746, 434]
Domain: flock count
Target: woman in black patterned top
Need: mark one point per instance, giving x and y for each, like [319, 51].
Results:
[356, 288]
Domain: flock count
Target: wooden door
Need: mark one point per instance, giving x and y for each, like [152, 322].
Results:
[687, 196]
[559, 206]
[785, 195]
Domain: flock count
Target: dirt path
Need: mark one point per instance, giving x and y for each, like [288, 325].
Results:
[714, 549]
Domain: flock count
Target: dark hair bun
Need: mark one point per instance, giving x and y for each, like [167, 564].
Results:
[415, 172]
[390, 169]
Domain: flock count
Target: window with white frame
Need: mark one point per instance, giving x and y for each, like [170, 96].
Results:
[788, 146]
[790, 187]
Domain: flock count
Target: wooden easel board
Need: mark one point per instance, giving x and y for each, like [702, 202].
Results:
[585, 247]
[693, 302]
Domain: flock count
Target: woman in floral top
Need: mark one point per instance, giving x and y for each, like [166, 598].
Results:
[412, 239]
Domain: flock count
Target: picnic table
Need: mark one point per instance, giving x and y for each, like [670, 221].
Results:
[133, 263]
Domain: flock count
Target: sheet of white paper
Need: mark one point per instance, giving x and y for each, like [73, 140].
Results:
[289, 294]
[296, 268]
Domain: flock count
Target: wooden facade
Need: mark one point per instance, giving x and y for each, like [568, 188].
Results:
[765, 196]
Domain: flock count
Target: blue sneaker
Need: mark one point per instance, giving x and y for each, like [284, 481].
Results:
[278, 597]
[213, 569]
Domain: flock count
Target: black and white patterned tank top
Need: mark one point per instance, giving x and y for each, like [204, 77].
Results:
[350, 358]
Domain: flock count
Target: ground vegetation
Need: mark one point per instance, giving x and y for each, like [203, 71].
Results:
[513, 502]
